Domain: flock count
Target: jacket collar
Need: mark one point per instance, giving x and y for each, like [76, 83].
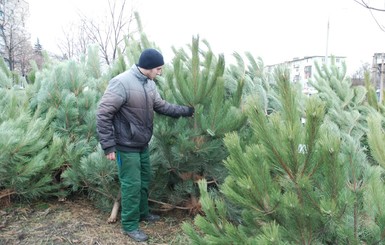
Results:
[141, 77]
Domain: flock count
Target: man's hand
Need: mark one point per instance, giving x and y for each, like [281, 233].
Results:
[111, 156]
[191, 111]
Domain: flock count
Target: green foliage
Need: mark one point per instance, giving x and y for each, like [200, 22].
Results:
[12, 103]
[27, 147]
[188, 149]
[374, 198]
[376, 137]
[5, 75]
[300, 183]
[347, 105]
[65, 95]
[4, 68]
[196, 85]
[372, 96]
[97, 175]
[49, 127]
[276, 167]
[31, 76]
[93, 63]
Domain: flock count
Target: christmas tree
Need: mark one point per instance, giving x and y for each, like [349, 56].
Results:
[28, 145]
[49, 129]
[190, 149]
[304, 178]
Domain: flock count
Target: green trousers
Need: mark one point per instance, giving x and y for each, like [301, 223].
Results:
[134, 175]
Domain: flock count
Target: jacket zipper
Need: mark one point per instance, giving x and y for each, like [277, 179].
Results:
[147, 109]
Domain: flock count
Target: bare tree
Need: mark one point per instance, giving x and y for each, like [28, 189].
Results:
[74, 42]
[23, 55]
[14, 37]
[360, 72]
[108, 33]
[372, 9]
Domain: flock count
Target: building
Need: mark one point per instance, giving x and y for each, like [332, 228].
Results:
[378, 74]
[303, 69]
[378, 69]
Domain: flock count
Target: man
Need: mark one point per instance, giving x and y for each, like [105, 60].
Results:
[125, 125]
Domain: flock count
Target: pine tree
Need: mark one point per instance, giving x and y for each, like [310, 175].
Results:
[27, 146]
[53, 130]
[74, 89]
[189, 149]
[91, 172]
[299, 183]
[28, 157]
[38, 48]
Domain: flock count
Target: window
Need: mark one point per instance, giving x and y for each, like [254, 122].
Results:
[307, 71]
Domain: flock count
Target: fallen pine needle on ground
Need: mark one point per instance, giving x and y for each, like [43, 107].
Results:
[78, 222]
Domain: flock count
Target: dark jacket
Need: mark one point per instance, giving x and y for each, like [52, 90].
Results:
[126, 111]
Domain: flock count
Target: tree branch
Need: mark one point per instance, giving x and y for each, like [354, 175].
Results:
[365, 5]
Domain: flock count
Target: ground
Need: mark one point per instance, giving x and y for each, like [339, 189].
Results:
[76, 221]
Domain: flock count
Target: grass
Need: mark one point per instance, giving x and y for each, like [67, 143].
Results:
[78, 222]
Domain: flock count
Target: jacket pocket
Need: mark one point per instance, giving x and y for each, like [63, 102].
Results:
[132, 135]
[122, 129]
[140, 134]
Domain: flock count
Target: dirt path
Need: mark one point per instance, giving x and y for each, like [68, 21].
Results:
[77, 222]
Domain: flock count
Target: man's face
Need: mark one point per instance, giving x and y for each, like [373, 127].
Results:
[157, 71]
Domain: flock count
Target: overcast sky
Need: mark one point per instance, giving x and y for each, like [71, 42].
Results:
[275, 30]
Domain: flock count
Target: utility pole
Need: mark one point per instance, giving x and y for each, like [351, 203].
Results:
[374, 71]
[327, 41]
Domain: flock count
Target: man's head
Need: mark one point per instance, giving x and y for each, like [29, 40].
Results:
[151, 62]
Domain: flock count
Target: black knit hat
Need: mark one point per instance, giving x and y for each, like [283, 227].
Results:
[150, 58]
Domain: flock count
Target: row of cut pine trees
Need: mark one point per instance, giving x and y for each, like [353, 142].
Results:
[259, 163]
